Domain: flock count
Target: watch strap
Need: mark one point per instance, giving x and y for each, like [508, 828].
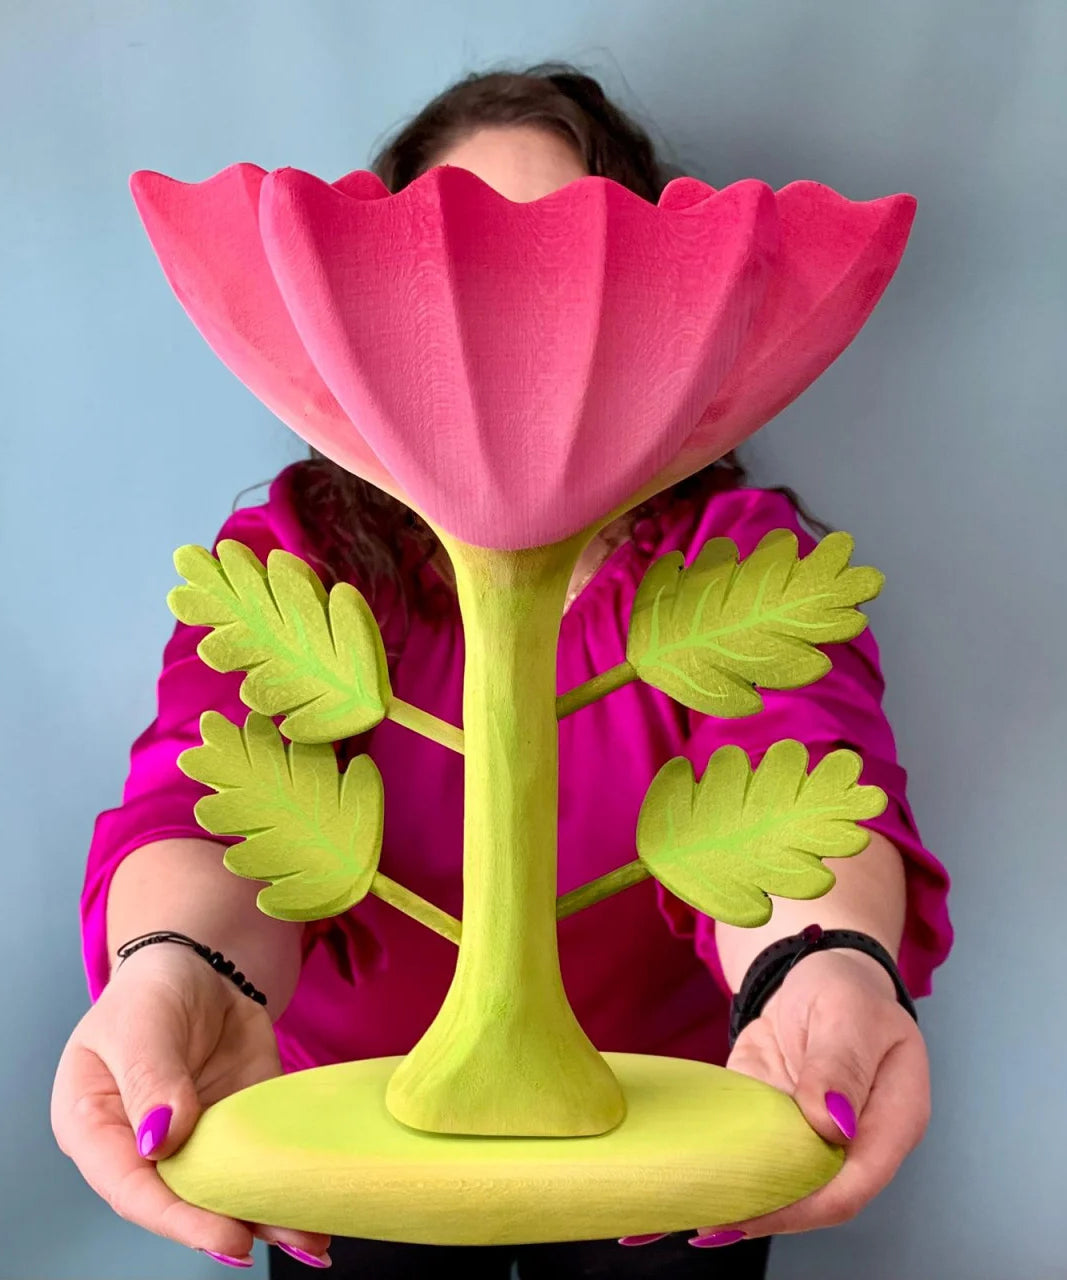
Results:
[769, 969]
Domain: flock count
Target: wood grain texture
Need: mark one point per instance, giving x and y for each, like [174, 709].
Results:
[312, 834]
[726, 843]
[505, 1054]
[319, 1151]
[711, 634]
[314, 657]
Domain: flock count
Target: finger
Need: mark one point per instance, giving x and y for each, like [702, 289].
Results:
[92, 1128]
[98, 1100]
[147, 1056]
[846, 1045]
[758, 1054]
[305, 1246]
[891, 1125]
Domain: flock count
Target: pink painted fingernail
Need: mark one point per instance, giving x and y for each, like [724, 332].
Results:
[632, 1240]
[841, 1113]
[321, 1260]
[227, 1261]
[153, 1129]
[717, 1239]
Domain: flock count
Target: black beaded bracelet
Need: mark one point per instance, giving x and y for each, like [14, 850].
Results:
[768, 971]
[216, 959]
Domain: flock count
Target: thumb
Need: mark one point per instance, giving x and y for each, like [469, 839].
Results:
[835, 1081]
[150, 1066]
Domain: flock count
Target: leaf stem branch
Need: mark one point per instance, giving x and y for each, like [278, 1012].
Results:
[603, 887]
[417, 908]
[600, 686]
[426, 725]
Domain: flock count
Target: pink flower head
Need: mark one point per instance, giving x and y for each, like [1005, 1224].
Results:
[516, 371]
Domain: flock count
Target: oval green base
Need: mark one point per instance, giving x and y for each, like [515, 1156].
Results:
[317, 1150]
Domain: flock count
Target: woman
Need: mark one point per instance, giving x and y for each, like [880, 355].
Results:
[166, 1036]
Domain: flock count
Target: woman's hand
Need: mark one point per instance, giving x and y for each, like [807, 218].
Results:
[167, 1038]
[834, 1037]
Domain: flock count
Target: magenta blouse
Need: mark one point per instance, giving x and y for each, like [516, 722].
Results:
[641, 968]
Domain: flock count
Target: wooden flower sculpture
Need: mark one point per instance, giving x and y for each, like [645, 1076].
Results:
[520, 375]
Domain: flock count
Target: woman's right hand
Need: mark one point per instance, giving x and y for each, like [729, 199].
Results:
[167, 1037]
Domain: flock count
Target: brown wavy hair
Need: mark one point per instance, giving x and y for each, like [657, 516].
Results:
[363, 535]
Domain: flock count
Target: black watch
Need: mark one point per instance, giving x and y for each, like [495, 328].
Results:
[767, 972]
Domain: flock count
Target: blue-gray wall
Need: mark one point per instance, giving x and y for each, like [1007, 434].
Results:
[938, 439]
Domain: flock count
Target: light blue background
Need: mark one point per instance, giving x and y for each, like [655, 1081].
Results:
[938, 439]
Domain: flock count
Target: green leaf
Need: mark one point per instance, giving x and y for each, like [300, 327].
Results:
[316, 659]
[725, 843]
[315, 834]
[707, 635]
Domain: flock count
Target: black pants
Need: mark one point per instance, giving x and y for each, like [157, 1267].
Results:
[671, 1258]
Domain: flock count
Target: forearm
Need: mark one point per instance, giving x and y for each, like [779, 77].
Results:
[869, 896]
[183, 885]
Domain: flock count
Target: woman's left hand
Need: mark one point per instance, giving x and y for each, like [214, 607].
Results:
[834, 1037]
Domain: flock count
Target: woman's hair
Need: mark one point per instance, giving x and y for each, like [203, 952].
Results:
[360, 533]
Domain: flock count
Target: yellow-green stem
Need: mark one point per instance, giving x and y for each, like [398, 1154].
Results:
[592, 690]
[601, 888]
[429, 726]
[505, 1054]
[418, 908]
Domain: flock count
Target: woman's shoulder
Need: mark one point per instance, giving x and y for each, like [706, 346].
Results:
[743, 514]
[271, 523]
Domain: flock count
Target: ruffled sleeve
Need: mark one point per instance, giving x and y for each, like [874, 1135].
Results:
[843, 709]
[158, 799]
